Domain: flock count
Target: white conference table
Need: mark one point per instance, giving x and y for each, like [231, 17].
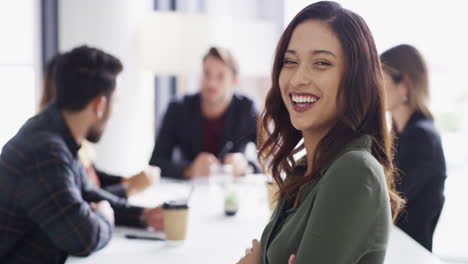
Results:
[213, 237]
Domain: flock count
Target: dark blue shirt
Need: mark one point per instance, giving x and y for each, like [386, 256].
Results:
[44, 195]
[182, 133]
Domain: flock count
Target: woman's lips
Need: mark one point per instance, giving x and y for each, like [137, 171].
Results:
[302, 102]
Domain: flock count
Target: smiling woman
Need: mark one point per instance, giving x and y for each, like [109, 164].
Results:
[335, 204]
[312, 69]
[438, 35]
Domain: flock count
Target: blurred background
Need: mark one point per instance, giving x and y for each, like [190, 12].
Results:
[161, 43]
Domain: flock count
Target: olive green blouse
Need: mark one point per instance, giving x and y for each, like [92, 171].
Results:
[343, 218]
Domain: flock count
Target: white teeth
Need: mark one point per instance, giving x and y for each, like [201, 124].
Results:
[303, 99]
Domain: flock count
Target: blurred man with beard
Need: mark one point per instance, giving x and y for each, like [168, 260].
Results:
[48, 208]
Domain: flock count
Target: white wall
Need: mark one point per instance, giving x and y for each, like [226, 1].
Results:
[238, 8]
[19, 64]
[112, 25]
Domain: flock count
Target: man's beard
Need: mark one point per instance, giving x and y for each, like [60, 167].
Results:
[94, 135]
[95, 132]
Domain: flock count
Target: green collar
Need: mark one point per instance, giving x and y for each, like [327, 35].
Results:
[363, 142]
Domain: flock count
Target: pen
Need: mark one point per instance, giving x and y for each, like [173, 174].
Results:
[225, 149]
[144, 237]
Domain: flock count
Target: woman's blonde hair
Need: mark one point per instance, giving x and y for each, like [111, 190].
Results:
[405, 61]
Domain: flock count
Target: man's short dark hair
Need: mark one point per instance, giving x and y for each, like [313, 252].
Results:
[84, 73]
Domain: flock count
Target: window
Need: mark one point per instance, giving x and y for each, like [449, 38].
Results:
[18, 67]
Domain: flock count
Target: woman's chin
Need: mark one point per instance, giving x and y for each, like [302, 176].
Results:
[300, 126]
[311, 128]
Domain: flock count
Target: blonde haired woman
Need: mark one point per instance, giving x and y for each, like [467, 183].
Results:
[419, 154]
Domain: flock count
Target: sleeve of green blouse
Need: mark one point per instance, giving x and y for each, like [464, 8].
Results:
[344, 212]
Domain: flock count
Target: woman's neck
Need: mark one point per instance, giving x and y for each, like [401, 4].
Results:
[311, 141]
[401, 116]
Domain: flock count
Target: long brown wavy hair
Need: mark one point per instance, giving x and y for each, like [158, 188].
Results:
[360, 103]
[49, 92]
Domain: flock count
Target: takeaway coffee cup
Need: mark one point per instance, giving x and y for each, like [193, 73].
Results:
[175, 220]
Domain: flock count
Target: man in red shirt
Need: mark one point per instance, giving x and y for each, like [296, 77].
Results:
[210, 127]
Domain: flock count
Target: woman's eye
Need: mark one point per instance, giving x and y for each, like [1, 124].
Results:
[322, 63]
[289, 62]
